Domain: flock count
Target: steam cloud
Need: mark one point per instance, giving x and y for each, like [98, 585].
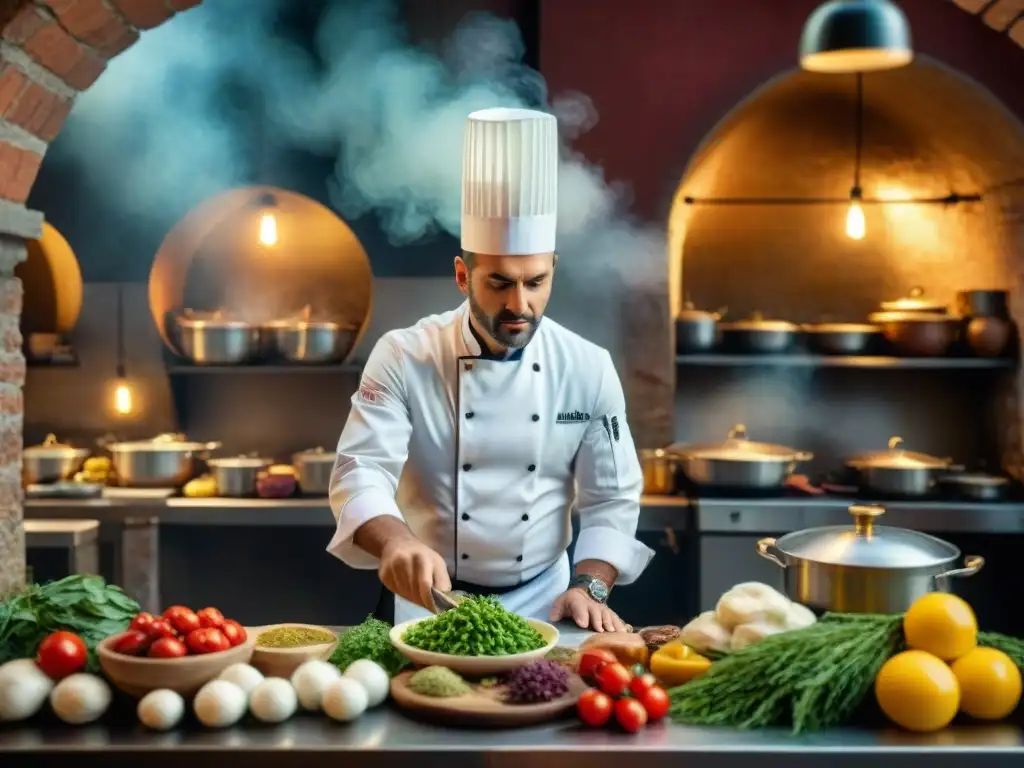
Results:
[392, 115]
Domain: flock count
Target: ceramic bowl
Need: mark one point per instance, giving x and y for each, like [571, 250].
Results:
[474, 666]
[281, 662]
[138, 675]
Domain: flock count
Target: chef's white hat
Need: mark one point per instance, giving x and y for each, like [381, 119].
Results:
[510, 182]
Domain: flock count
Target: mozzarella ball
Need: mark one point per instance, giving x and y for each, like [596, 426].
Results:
[23, 690]
[80, 698]
[310, 680]
[373, 678]
[219, 704]
[161, 710]
[245, 676]
[344, 700]
[273, 700]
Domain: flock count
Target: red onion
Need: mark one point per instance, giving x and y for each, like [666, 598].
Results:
[537, 683]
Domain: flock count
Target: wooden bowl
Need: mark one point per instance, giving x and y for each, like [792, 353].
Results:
[281, 662]
[474, 666]
[138, 675]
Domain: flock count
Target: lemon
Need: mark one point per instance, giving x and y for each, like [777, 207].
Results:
[918, 691]
[990, 684]
[941, 624]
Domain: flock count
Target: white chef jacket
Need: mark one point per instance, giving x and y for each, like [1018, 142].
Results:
[484, 459]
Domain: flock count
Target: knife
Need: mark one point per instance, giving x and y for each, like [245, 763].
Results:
[445, 601]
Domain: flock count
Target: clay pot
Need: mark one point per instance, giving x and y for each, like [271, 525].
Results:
[988, 336]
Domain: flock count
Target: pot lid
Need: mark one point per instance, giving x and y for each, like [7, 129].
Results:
[689, 312]
[738, 448]
[898, 458]
[52, 447]
[315, 454]
[757, 322]
[915, 302]
[866, 545]
[842, 328]
[165, 442]
[975, 479]
[910, 316]
[240, 462]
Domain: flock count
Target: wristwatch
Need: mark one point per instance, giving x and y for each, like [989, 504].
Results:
[593, 586]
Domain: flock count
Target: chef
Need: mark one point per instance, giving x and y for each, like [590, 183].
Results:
[475, 433]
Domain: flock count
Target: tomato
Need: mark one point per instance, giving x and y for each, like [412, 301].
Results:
[210, 617]
[167, 648]
[234, 632]
[630, 714]
[207, 640]
[655, 702]
[132, 643]
[592, 659]
[162, 628]
[184, 620]
[613, 679]
[594, 707]
[62, 654]
[143, 622]
[641, 683]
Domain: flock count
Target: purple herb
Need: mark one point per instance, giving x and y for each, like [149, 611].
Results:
[537, 683]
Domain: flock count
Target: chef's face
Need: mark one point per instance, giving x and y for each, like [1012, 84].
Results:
[507, 294]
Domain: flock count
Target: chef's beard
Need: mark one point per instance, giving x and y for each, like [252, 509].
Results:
[505, 336]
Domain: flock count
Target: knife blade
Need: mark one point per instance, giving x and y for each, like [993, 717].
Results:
[445, 601]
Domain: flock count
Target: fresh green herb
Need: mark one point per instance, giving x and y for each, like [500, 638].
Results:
[478, 626]
[1011, 646]
[369, 640]
[439, 682]
[85, 605]
[808, 679]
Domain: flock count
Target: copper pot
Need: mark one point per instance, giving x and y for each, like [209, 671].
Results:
[988, 336]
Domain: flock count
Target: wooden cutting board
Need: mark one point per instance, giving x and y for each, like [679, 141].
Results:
[483, 706]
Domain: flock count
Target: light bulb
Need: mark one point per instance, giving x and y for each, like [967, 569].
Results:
[123, 399]
[268, 229]
[855, 224]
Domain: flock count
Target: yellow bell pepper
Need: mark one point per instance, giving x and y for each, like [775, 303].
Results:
[676, 663]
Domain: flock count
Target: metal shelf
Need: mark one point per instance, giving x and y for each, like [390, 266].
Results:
[839, 361]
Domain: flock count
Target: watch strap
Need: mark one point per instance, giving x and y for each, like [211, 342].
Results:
[594, 587]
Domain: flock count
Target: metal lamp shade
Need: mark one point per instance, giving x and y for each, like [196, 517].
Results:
[845, 36]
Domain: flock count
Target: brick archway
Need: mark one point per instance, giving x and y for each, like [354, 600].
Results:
[50, 51]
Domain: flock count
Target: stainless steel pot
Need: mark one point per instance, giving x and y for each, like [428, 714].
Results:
[865, 568]
[899, 473]
[314, 467]
[302, 341]
[236, 477]
[841, 338]
[696, 330]
[166, 461]
[738, 463]
[975, 487]
[216, 340]
[51, 461]
[661, 470]
[759, 335]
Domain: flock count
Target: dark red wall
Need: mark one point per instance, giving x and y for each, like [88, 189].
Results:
[661, 73]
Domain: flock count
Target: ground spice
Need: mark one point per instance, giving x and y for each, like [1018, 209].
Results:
[293, 637]
[439, 682]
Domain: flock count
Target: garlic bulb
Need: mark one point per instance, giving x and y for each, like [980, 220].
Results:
[750, 602]
[704, 634]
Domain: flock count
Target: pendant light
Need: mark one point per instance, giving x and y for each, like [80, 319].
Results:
[847, 36]
[123, 396]
[268, 221]
[856, 226]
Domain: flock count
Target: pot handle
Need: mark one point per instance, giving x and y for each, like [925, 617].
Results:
[972, 564]
[766, 549]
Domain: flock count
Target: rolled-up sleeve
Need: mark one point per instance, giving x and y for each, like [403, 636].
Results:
[373, 448]
[609, 482]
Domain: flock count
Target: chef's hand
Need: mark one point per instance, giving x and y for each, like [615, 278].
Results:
[409, 568]
[586, 612]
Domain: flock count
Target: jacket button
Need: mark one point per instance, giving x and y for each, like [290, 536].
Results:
[465, 516]
[519, 559]
[470, 415]
[466, 467]
[532, 468]
[465, 556]
[536, 417]
[467, 367]
[525, 518]
[536, 366]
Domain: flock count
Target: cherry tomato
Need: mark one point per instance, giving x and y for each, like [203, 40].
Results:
[655, 702]
[234, 632]
[594, 707]
[184, 620]
[210, 617]
[132, 643]
[143, 622]
[167, 648]
[62, 654]
[640, 684]
[630, 714]
[207, 640]
[613, 679]
[162, 628]
[591, 660]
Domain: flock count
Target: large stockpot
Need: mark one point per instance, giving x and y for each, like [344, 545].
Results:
[696, 330]
[738, 463]
[758, 335]
[897, 472]
[660, 470]
[236, 476]
[314, 468]
[51, 461]
[308, 341]
[865, 568]
[215, 340]
[841, 338]
[166, 461]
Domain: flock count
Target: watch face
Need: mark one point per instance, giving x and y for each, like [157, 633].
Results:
[598, 591]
